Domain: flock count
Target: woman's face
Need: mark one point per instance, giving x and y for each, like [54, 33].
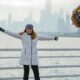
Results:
[29, 30]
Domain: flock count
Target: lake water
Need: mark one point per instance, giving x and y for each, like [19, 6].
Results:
[10, 42]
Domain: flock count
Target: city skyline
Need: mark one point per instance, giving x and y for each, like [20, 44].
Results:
[48, 22]
[21, 8]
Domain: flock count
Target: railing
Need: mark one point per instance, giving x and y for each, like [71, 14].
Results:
[44, 67]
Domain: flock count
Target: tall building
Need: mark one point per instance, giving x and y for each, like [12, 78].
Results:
[9, 23]
[61, 21]
[48, 20]
[64, 25]
[68, 24]
[61, 25]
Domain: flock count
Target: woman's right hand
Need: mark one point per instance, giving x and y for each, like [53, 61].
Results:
[1, 29]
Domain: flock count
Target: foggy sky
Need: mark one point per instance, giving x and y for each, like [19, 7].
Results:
[21, 8]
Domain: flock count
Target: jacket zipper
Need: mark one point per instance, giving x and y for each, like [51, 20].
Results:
[25, 51]
[31, 51]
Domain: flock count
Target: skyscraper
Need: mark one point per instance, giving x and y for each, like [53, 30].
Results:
[9, 23]
[48, 21]
[67, 23]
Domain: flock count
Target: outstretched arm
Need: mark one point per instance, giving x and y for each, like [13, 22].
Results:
[16, 35]
[45, 37]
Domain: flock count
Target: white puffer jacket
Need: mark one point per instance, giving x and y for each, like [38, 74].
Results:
[29, 51]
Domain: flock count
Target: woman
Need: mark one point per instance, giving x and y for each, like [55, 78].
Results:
[29, 52]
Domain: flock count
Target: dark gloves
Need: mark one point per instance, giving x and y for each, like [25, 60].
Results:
[1, 29]
[56, 38]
